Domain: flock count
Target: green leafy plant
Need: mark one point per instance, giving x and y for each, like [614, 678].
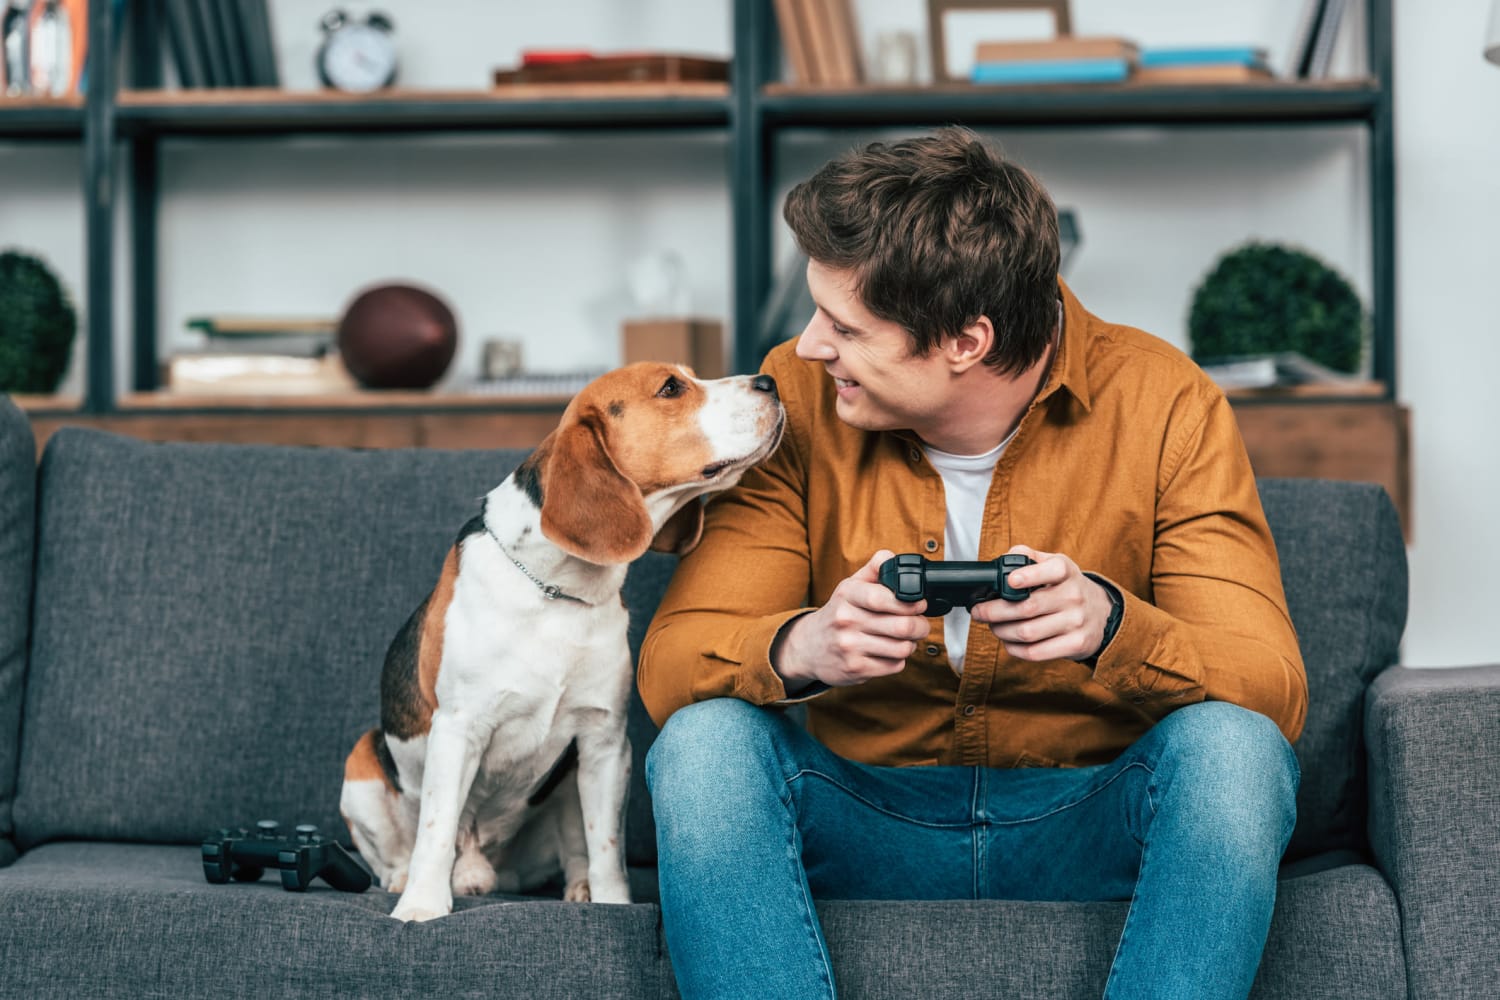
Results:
[37, 325]
[1263, 298]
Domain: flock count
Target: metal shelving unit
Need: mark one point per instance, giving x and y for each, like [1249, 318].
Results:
[752, 111]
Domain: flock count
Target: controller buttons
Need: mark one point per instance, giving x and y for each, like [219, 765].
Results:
[267, 828]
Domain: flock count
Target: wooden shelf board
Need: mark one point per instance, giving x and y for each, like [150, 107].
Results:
[394, 400]
[1065, 104]
[64, 403]
[688, 104]
[41, 117]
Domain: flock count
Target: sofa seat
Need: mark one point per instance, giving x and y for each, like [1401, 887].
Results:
[133, 920]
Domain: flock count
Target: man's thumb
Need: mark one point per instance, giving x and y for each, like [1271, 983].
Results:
[870, 571]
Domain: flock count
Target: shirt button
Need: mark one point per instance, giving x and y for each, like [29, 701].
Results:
[914, 455]
[933, 650]
[930, 545]
[968, 710]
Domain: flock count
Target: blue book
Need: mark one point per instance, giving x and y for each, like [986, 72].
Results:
[1052, 71]
[1225, 55]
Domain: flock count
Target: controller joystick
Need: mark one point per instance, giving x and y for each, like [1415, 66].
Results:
[243, 856]
[946, 585]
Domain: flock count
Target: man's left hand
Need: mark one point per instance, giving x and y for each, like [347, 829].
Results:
[1063, 619]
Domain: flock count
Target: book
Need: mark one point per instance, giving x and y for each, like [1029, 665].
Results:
[1065, 47]
[258, 374]
[289, 337]
[1240, 55]
[1302, 39]
[1328, 29]
[794, 41]
[1202, 75]
[1052, 71]
[260, 45]
[1283, 369]
[182, 42]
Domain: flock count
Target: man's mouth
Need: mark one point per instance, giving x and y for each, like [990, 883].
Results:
[844, 383]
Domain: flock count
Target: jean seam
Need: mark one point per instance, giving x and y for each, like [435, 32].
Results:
[809, 918]
[1080, 801]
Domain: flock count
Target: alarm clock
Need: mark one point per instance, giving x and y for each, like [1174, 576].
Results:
[357, 56]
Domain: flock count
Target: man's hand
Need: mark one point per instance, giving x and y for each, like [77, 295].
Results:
[1063, 619]
[861, 633]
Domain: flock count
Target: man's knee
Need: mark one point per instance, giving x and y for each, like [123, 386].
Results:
[711, 742]
[1233, 766]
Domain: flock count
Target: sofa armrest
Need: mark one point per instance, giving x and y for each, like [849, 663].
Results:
[1433, 738]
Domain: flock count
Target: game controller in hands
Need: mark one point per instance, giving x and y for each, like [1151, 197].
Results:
[946, 585]
[245, 856]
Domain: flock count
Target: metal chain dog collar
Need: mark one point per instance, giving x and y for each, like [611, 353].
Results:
[551, 592]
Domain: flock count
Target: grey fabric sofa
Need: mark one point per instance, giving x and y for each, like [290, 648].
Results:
[190, 637]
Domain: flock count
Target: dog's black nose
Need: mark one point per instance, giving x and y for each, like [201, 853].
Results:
[764, 383]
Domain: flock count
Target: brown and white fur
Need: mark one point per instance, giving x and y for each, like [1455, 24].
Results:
[501, 758]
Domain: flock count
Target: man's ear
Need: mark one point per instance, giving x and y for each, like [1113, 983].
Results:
[969, 346]
[589, 508]
[682, 530]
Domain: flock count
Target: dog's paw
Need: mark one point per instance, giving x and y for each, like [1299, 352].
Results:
[416, 907]
[473, 876]
[396, 881]
[417, 914]
[577, 892]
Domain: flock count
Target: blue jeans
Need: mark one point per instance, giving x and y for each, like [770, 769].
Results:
[755, 819]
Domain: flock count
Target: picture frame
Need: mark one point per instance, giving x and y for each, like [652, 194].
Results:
[938, 10]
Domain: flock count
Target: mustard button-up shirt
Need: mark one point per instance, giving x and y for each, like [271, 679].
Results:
[1129, 461]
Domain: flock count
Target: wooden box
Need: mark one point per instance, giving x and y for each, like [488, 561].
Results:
[697, 343]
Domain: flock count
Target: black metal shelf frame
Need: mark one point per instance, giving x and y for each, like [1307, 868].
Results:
[752, 117]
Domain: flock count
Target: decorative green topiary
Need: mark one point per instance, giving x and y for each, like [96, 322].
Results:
[37, 325]
[1263, 299]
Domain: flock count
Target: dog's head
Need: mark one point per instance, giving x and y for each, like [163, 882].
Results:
[635, 450]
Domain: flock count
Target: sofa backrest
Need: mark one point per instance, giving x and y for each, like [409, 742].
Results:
[1343, 564]
[210, 622]
[17, 526]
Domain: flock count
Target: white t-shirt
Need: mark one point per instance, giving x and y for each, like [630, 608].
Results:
[966, 483]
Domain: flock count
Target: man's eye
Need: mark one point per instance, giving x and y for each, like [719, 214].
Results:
[842, 331]
[670, 388]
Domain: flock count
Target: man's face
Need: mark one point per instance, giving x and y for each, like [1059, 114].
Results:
[881, 384]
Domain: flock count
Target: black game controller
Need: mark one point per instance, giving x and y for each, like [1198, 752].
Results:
[947, 585]
[245, 856]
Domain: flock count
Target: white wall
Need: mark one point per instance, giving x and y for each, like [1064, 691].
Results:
[532, 236]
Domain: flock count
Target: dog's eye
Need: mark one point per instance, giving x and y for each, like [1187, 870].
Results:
[670, 389]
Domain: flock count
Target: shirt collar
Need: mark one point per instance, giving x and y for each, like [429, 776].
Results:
[1069, 368]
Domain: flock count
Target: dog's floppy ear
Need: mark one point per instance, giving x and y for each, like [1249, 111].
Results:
[589, 509]
[682, 530]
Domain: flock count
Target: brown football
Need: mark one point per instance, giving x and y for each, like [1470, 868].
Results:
[397, 337]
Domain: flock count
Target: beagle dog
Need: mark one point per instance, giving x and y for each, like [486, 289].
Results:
[501, 758]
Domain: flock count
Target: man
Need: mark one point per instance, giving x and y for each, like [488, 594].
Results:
[1121, 734]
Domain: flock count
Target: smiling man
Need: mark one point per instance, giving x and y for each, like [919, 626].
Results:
[1121, 734]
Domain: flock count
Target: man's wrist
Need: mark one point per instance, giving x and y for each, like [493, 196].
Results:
[781, 662]
[1116, 615]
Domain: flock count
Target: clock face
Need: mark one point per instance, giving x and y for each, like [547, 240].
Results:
[359, 58]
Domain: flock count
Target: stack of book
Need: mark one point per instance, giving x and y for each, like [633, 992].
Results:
[239, 355]
[220, 43]
[1064, 59]
[821, 41]
[1202, 64]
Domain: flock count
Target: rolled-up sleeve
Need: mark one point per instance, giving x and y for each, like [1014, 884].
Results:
[1216, 626]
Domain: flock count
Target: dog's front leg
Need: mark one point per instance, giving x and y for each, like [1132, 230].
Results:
[452, 760]
[603, 777]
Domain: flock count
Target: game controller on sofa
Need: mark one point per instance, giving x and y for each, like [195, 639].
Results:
[244, 856]
[946, 585]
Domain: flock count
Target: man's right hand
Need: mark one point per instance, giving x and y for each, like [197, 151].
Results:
[862, 632]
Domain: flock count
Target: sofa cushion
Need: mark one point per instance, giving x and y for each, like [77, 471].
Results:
[211, 623]
[1343, 563]
[151, 926]
[17, 522]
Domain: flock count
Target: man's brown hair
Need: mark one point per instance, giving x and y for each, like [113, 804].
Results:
[938, 231]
